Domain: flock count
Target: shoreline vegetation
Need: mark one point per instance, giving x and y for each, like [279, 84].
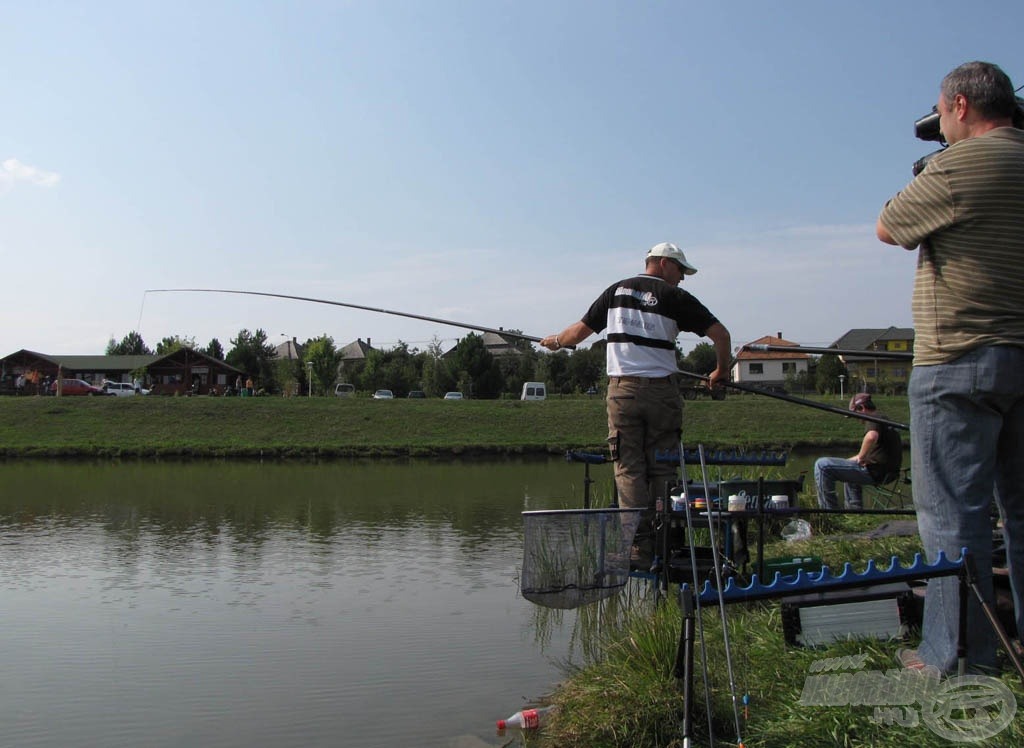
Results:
[331, 428]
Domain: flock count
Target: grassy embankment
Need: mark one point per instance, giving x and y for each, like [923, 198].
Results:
[330, 427]
[625, 694]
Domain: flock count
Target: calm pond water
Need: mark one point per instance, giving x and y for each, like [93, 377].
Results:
[253, 604]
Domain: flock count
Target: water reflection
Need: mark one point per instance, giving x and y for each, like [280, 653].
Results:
[269, 604]
[248, 604]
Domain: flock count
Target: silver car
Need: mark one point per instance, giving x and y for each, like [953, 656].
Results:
[121, 389]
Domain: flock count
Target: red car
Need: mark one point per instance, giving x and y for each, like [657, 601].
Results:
[78, 387]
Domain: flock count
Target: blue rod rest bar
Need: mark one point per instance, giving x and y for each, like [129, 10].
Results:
[723, 457]
[588, 457]
[824, 580]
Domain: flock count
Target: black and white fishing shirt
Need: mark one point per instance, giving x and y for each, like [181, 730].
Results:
[643, 316]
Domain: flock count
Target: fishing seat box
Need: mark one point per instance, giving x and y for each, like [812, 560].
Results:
[883, 611]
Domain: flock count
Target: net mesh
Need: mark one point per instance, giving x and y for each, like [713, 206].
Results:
[574, 557]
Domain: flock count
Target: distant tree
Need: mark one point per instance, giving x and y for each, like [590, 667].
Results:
[292, 372]
[174, 342]
[586, 366]
[516, 369]
[325, 359]
[131, 344]
[702, 359]
[827, 375]
[520, 343]
[214, 349]
[554, 369]
[255, 356]
[398, 369]
[435, 377]
[473, 365]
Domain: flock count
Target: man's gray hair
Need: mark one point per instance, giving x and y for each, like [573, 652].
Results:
[985, 86]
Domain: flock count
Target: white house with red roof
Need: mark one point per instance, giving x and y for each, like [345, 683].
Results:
[769, 368]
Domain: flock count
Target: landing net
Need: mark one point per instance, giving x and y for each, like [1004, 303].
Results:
[574, 557]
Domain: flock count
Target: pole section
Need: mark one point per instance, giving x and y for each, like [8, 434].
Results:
[801, 401]
[438, 320]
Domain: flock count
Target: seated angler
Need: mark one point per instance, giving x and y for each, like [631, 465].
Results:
[878, 461]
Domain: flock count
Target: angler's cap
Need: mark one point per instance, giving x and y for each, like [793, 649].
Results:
[672, 252]
[861, 399]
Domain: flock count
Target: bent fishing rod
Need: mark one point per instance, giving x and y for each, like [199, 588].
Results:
[464, 325]
[801, 401]
[895, 355]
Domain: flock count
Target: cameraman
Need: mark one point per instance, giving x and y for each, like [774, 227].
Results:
[965, 212]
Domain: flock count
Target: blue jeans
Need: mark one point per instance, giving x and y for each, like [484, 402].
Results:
[967, 448]
[828, 470]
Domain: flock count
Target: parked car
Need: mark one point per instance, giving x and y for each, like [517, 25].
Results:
[344, 390]
[122, 389]
[383, 395]
[453, 396]
[77, 387]
[416, 394]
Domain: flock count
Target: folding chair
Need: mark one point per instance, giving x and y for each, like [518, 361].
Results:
[889, 493]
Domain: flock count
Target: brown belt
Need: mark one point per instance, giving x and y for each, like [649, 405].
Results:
[640, 380]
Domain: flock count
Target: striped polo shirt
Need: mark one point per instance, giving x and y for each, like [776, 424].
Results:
[643, 316]
[966, 211]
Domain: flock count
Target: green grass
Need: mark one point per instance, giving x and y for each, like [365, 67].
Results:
[625, 694]
[326, 427]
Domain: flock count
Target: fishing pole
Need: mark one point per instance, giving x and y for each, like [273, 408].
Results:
[801, 401]
[895, 355]
[695, 571]
[714, 523]
[465, 325]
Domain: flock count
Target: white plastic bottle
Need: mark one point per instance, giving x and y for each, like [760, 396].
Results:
[527, 719]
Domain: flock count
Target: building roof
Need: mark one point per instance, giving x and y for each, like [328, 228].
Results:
[356, 350]
[866, 338]
[500, 345]
[184, 357]
[289, 350]
[84, 362]
[745, 355]
[101, 363]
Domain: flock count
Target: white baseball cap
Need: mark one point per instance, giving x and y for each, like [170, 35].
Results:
[672, 252]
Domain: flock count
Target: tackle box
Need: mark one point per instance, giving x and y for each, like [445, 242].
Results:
[884, 611]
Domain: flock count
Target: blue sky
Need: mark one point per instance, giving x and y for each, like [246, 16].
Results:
[498, 163]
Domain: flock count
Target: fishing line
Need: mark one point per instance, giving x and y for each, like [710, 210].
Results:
[713, 524]
[138, 326]
[465, 325]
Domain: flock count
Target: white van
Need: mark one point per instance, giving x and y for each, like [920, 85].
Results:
[534, 391]
[344, 390]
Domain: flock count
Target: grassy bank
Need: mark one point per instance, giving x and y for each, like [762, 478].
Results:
[332, 427]
[627, 695]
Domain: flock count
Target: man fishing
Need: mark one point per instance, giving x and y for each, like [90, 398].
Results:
[965, 211]
[643, 316]
[878, 461]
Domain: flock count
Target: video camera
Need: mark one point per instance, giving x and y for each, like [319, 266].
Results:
[927, 128]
